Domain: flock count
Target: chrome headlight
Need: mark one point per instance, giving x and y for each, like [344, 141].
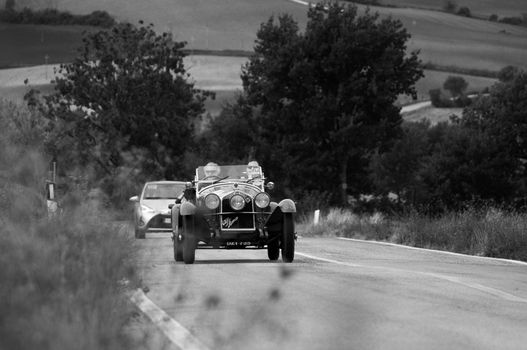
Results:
[212, 201]
[262, 200]
[237, 202]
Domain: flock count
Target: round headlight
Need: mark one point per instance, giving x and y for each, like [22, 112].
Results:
[212, 201]
[262, 200]
[237, 202]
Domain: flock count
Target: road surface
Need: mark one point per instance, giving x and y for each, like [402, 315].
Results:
[338, 294]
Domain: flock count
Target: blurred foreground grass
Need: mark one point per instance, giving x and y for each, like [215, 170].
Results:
[491, 232]
[64, 283]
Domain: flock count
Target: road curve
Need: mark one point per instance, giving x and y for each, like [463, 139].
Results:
[339, 294]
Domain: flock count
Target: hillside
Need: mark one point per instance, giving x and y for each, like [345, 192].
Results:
[443, 38]
[480, 8]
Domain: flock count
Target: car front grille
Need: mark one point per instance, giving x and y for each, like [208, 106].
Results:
[160, 221]
[237, 220]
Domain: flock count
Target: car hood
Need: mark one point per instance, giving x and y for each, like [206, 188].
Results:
[160, 205]
[225, 189]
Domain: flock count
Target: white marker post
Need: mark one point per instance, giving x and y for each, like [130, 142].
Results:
[316, 218]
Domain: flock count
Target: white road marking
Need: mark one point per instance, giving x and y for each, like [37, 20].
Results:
[178, 334]
[496, 292]
[434, 251]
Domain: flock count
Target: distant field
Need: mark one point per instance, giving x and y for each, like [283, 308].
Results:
[435, 80]
[444, 39]
[22, 44]
[432, 114]
[483, 8]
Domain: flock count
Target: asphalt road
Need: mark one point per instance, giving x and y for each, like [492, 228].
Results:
[339, 294]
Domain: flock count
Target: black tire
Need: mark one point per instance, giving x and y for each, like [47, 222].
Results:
[178, 248]
[288, 238]
[273, 249]
[139, 234]
[189, 240]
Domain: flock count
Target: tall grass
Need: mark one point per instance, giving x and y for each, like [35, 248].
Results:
[63, 282]
[490, 232]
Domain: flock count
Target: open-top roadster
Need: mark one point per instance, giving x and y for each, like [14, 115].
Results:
[231, 209]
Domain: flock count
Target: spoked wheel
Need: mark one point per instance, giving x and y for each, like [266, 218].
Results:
[189, 240]
[178, 248]
[273, 249]
[288, 238]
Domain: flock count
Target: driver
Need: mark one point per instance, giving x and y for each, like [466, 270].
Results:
[254, 172]
[211, 169]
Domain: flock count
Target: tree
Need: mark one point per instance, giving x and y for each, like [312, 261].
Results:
[10, 5]
[327, 96]
[456, 85]
[450, 6]
[125, 101]
[508, 73]
[464, 11]
[502, 118]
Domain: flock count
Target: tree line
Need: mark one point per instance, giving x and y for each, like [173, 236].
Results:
[317, 111]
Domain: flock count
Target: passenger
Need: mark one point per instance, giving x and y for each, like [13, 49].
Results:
[254, 173]
[211, 170]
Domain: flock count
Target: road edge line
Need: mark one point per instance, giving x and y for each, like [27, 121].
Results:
[488, 290]
[175, 332]
[518, 262]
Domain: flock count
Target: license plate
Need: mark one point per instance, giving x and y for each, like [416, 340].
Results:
[237, 244]
[168, 220]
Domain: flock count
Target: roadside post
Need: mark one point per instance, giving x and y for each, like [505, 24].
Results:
[316, 217]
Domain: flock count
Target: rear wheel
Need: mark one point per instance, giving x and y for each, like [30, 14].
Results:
[189, 240]
[273, 249]
[288, 238]
[178, 248]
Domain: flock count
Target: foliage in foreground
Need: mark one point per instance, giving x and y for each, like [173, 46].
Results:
[63, 284]
[63, 281]
[491, 232]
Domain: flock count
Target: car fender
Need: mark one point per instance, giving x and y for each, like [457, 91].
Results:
[187, 208]
[287, 206]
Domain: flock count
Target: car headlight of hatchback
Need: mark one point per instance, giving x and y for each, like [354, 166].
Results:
[146, 209]
[237, 202]
[212, 201]
[262, 200]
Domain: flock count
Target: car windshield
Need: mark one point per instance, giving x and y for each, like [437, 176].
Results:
[163, 191]
[231, 172]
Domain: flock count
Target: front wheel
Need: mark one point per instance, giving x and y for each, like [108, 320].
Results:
[178, 248]
[189, 240]
[288, 238]
[273, 249]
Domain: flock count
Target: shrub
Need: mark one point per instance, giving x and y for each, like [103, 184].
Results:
[450, 6]
[493, 17]
[512, 20]
[464, 11]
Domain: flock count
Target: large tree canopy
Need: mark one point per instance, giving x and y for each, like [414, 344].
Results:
[327, 95]
[127, 93]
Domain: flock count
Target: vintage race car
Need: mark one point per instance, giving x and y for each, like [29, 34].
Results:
[231, 209]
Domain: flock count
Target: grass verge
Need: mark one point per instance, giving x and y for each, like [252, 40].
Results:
[64, 283]
[491, 232]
